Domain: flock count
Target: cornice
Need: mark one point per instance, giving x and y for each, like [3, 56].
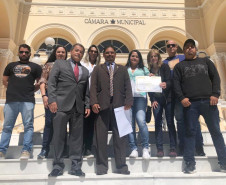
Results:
[129, 10]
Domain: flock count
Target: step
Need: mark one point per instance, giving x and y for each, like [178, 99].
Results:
[14, 152]
[156, 178]
[138, 165]
[17, 139]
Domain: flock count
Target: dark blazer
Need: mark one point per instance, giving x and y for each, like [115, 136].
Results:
[100, 87]
[65, 90]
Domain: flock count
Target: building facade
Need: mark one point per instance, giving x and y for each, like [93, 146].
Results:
[127, 24]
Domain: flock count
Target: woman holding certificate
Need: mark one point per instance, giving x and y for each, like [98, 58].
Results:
[136, 67]
[162, 101]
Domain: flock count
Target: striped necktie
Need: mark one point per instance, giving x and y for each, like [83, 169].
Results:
[111, 79]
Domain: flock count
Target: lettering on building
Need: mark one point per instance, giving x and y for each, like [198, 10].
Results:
[115, 21]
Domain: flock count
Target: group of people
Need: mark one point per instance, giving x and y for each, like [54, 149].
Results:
[84, 93]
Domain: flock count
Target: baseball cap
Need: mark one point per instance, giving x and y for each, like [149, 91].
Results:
[189, 41]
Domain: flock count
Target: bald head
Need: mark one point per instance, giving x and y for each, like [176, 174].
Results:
[171, 48]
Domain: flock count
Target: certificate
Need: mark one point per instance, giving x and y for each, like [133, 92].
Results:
[148, 84]
[123, 120]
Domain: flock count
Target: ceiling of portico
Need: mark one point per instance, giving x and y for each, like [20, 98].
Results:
[4, 23]
[220, 28]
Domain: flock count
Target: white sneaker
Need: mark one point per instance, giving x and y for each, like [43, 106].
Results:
[134, 154]
[146, 154]
[25, 155]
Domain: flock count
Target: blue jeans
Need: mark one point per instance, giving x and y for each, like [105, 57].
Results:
[139, 114]
[11, 111]
[48, 129]
[162, 104]
[179, 115]
[211, 116]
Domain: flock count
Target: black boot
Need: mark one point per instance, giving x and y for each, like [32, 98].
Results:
[43, 154]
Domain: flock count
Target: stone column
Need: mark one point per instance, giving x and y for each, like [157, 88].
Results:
[6, 56]
[219, 59]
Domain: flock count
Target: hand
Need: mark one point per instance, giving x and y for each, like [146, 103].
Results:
[213, 100]
[96, 108]
[87, 112]
[185, 102]
[154, 104]
[127, 107]
[45, 101]
[151, 74]
[163, 85]
[53, 107]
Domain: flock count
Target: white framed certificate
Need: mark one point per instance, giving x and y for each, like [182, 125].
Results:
[148, 84]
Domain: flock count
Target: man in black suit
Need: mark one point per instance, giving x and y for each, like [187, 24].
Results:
[68, 91]
[104, 97]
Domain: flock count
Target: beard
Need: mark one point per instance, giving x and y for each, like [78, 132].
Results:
[24, 58]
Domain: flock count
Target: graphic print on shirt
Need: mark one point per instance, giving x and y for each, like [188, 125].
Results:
[21, 70]
[194, 70]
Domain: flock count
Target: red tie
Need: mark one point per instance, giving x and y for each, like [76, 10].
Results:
[76, 71]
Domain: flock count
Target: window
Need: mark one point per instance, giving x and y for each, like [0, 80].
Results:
[119, 46]
[161, 46]
[58, 41]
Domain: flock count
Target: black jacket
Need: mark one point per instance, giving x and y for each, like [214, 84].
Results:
[164, 72]
[195, 79]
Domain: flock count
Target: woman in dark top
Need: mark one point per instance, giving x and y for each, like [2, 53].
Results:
[162, 101]
[59, 53]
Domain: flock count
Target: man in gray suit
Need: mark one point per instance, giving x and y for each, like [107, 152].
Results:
[110, 88]
[68, 91]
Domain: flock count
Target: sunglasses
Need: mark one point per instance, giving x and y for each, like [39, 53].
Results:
[26, 52]
[168, 45]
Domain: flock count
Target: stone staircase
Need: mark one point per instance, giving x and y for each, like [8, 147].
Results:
[155, 171]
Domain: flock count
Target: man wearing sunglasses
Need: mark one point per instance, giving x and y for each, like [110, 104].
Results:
[172, 60]
[19, 78]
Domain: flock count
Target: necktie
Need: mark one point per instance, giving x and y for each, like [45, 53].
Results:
[111, 79]
[76, 71]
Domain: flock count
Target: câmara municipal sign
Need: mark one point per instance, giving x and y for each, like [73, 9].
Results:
[115, 21]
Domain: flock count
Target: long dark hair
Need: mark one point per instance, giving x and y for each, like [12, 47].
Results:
[141, 62]
[86, 60]
[52, 57]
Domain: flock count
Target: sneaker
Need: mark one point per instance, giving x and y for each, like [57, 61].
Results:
[88, 154]
[200, 151]
[134, 154]
[160, 153]
[2, 155]
[173, 153]
[25, 155]
[146, 154]
[189, 168]
[223, 168]
[43, 154]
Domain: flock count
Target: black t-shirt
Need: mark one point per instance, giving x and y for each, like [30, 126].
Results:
[21, 81]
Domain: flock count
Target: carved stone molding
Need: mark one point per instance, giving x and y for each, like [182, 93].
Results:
[219, 59]
[6, 53]
[111, 12]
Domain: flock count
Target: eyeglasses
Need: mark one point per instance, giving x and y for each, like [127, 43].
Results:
[93, 51]
[168, 45]
[26, 52]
